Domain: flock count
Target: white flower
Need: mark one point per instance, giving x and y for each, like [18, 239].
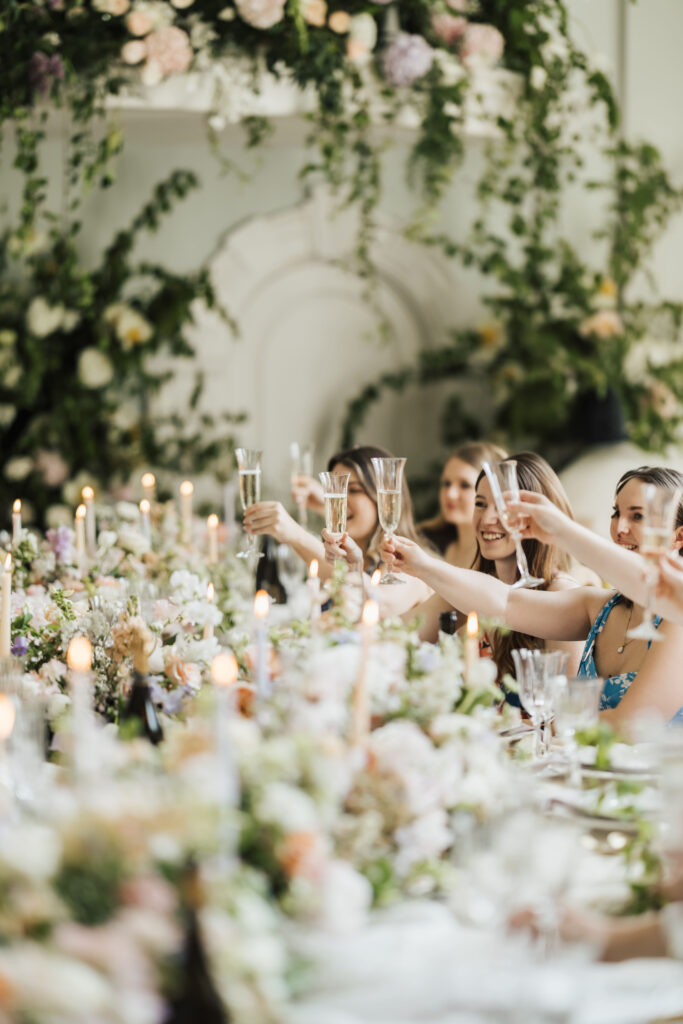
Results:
[31, 850]
[12, 375]
[94, 368]
[133, 541]
[345, 898]
[7, 413]
[426, 837]
[261, 13]
[538, 77]
[287, 807]
[43, 319]
[18, 468]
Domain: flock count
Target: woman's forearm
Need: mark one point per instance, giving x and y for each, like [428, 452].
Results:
[621, 568]
[466, 589]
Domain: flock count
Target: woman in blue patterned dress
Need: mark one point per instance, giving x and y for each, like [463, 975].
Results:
[640, 676]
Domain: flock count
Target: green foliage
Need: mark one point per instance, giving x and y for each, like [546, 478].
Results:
[89, 883]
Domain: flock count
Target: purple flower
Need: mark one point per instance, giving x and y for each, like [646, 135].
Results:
[61, 544]
[20, 646]
[408, 58]
[44, 70]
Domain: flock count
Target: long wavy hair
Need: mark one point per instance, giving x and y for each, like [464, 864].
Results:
[545, 560]
[359, 458]
[475, 454]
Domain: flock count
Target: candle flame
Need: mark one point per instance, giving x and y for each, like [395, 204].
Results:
[261, 604]
[8, 564]
[212, 521]
[144, 507]
[7, 716]
[16, 507]
[148, 480]
[79, 654]
[370, 616]
[376, 577]
[313, 569]
[472, 624]
[87, 493]
[186, 488]
[210, 591]
[81, 512]
[224, 670]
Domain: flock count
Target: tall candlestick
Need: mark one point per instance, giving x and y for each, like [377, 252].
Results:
[79, 524]
[261, 610]
[16, 522]
[212, 534]
[79, 660]
[149, 483]
[145, 524]
[313, 584]
[208, 626]
[88, 496]
[6, 613]
[360, 702]
[224, 675]
[471, 647]
[186, 492]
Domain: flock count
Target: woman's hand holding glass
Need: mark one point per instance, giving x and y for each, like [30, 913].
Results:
[272, 518]
[669, 590]
[405, 555]
[660, 513]
[502, 478]
[307, 493]
[342, 549]
[538, 516]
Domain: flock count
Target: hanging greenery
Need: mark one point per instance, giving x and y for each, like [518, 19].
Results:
[561, 332]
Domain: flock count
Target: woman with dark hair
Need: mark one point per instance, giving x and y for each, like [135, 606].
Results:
[451, 531]
[359, 546]
[639, 676]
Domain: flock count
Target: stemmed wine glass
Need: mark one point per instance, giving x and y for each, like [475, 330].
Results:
[502, 477]
[335, 489]
[249, 466]
[389, 477]
[659, 510]
[302, 469]
[535, 671]
[575, 706]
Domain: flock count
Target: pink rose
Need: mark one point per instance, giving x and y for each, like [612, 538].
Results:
[138, 23]
[483, 43]
[169, 48]
[448, 27]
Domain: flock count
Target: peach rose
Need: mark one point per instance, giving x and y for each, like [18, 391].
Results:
[183, 673]
[134, 51]
[139, 23]
[302, 853]
[169, 48]
[314, 12]
[604, 324]
[340, 22]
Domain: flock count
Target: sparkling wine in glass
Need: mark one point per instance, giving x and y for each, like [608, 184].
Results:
[502, 478]
[389, 478]
[249, 467]
[335, 488]
[301, 472]
[659, 509]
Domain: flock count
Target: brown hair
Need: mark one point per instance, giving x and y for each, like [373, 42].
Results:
[474, 453]
[660, 476]
[359, 458]
[545, 560]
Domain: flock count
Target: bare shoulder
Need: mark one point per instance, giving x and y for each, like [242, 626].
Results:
[562, 581]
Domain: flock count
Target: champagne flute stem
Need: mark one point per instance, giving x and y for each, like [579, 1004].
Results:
[522, 563]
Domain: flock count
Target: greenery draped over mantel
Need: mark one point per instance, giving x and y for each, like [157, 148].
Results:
[561, 332]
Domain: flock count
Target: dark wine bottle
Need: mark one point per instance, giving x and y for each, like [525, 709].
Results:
[267, 575]
[194, 999]
[139, 709]
[448, 622]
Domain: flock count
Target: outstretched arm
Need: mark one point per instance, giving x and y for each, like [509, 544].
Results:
[271, 517]
[544, 521]
[563, 615]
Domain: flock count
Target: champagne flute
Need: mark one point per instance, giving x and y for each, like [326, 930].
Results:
[249, 466]
[335, 489]
[575, 706]
[535, 671]
[502, 477]
[302, 470]
[389, 477]
[659, 510]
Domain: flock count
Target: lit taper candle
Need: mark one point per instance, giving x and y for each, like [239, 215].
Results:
[16, 522]
[212, 538]
[88, 496]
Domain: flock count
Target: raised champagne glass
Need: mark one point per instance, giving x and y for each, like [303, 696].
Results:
[389, 479]
[249, 466]
[301, 472]
[659, 511]
[335, 489]
[502, 478]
